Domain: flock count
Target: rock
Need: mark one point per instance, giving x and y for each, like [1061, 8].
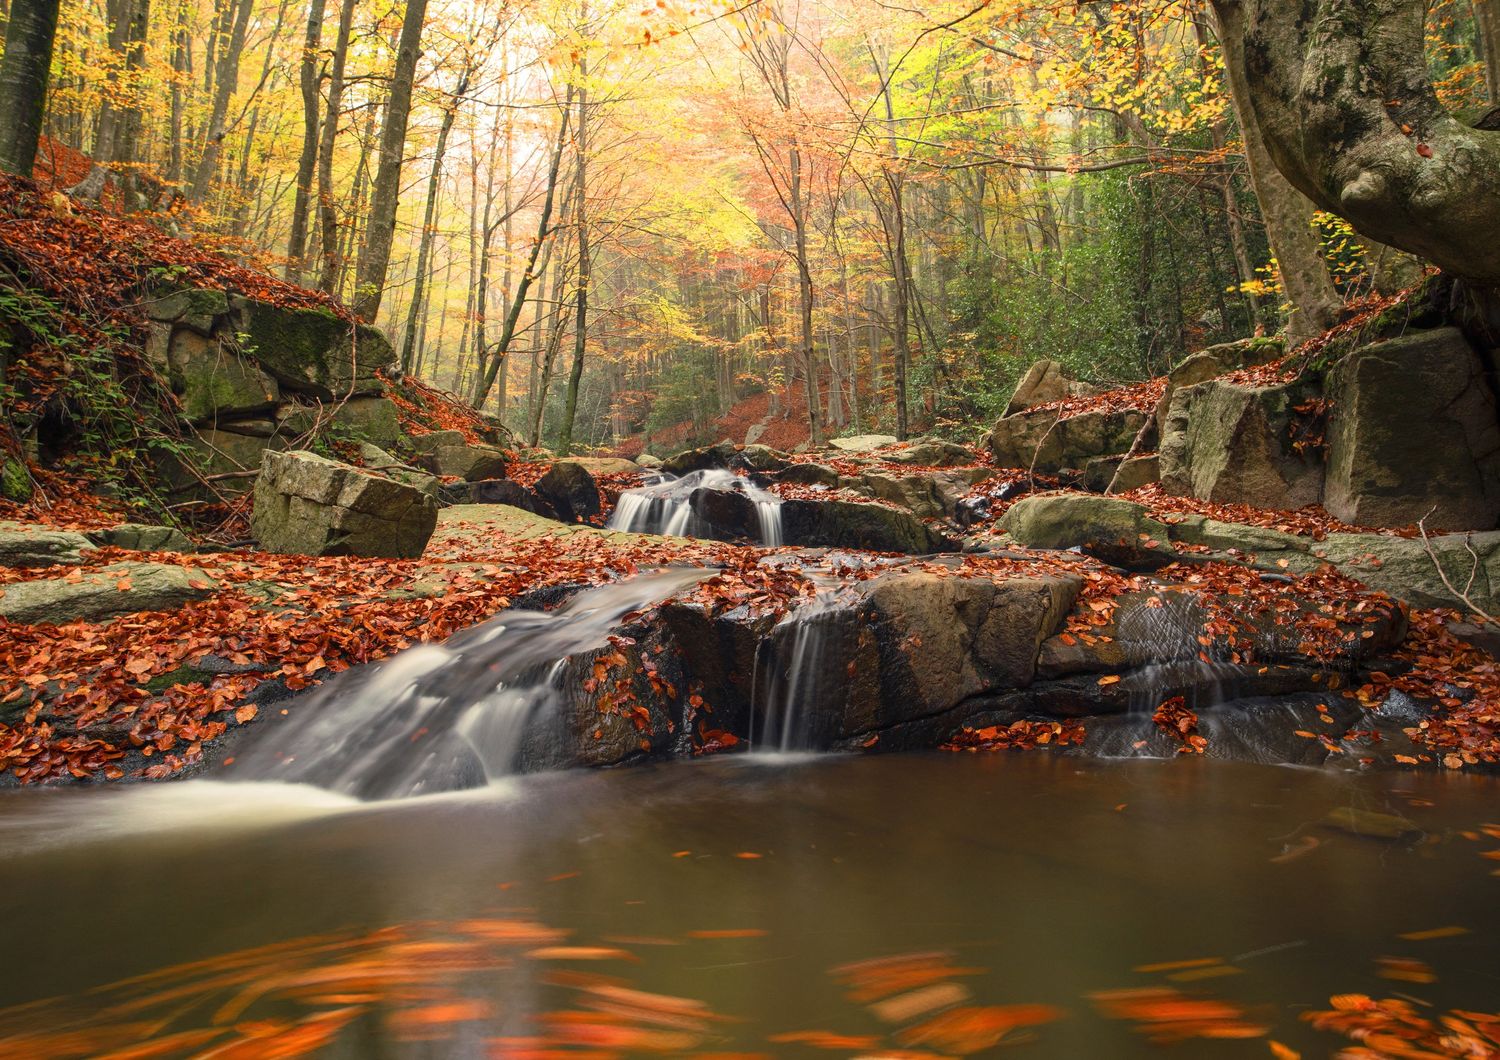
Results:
[308, 505]
[214, 383]
[369, 419]
[862, 443]
[931, 452]
[1413, 433]
[809, 475]
[724, 515]
[1116, 531]
[139, 537]
[1402, 567]
[929, 494]
[1371, 824]
[108, 592]
[1214, 361]
[1099, 472]
[606, 465]
[1044, 383]
[468, 462]
[434, 440]
[496, 491]
[1135, 472]
[15, 479]
[571, 491]
[852, 524]
[647, 461]
[1234, 445]
[193, 307]
[25, 545]
[1224, 537]
[311, 350]
[378, 460]
[1041, 439]
[255, 428]
[704, 458]
[758, 458]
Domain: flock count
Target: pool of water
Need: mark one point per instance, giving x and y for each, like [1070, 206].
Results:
[918, 905]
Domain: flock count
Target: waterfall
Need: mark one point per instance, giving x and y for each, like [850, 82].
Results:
[791, 677]
[440, 717]
[674, 506]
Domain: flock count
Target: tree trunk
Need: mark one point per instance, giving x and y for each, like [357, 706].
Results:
[1287, 212]
[429, 219]
[1487, 28]
[296, 242]
[1341, 92]
[226, 78]
[385, 193]
[24, 72]
[328, 219]
[581, 220]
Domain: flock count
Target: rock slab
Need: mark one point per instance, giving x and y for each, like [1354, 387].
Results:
[308, 505]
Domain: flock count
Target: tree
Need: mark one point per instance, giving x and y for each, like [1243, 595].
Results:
[380, 230]
[1342, 94]
[296, 243]
[24, 73]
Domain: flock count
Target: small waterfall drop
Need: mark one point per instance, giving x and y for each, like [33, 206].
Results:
[792, 677]
[441, 717]
[673, 506]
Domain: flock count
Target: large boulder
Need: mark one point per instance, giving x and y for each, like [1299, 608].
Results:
[704, 458]
[1408, 569]
[1116, 531]
[142, 537]
[930, 452]
[1413, 432]
[862, 443]
[1046, 382]
[311, 351]
[1045, 441]
[104, 593]
[369, 419]
[571, 491]
[853, 524]
[1240, 445]
[308, 505]
[214, 383]
[926, 494]
[25, 545]
[1133, 472]
[468, 462]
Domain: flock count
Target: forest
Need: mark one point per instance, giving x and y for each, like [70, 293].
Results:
[604, 223]
[742, 529]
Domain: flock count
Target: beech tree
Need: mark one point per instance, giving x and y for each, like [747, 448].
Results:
[1340, 91]
[24, 73]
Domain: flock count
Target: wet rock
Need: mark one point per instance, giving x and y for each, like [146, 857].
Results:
[139, 537]
[104, 593]
[724, 514]
[1044, 440]
[1371, 824]
[1046, 382]
[1413, 433]
[851, 524]
[760, 458]
[1116, 531]
[495, 491]
[571, 491]
[308, 505]
[26, 545]
[1236, 445]
[704, 458]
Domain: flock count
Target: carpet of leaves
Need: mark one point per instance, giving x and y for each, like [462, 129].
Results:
[1311, 521]
[422, 409]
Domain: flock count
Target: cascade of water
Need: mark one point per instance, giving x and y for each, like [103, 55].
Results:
[666, 506]
[791, 675]
[439, 717]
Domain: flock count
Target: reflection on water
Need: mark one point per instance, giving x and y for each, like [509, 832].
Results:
[915, 906]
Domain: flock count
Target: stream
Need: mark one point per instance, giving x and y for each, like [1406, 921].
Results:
[770, 905]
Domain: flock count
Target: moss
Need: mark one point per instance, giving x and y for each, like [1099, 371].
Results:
[15, 482]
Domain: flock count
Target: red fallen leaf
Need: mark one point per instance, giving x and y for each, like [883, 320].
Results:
[1110, 679]
[124, 584]
[246, 713]
[748, 855]
[1424, 150]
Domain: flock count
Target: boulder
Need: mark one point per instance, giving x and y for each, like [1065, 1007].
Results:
[606, 465]
[308, 505]
[378, 460]
[926, 494]
[311, 351]
[724, 515]
[194, 307]
[15, 479]
[852, 524]
[369, 419]
[1046, 382]
[1135, 472]
[704, 458]
[1403, 568]
[214, 383]
[862, 443]
[434, 440]
[1041, 439]
[1238, 445]
[1413, 432]
[104, 593]
[1214, 361]
[26, 545]
[139, 537]
[496, 491]
[1099, 472]
[217, 452]
[809, 475]
[1116, 531]
[758, 458]
[571, 491]
[468, 462]
[931, 452]
[649, 462]
[1235, 537]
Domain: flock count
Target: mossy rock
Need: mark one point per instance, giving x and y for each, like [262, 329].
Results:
[312, 351]
[15, 481]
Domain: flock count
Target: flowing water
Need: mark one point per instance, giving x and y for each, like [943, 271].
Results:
[729, 906]
[666, 506]
[439, 717]
[792, 674]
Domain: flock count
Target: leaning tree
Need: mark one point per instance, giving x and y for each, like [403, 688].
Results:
[1341, 92]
